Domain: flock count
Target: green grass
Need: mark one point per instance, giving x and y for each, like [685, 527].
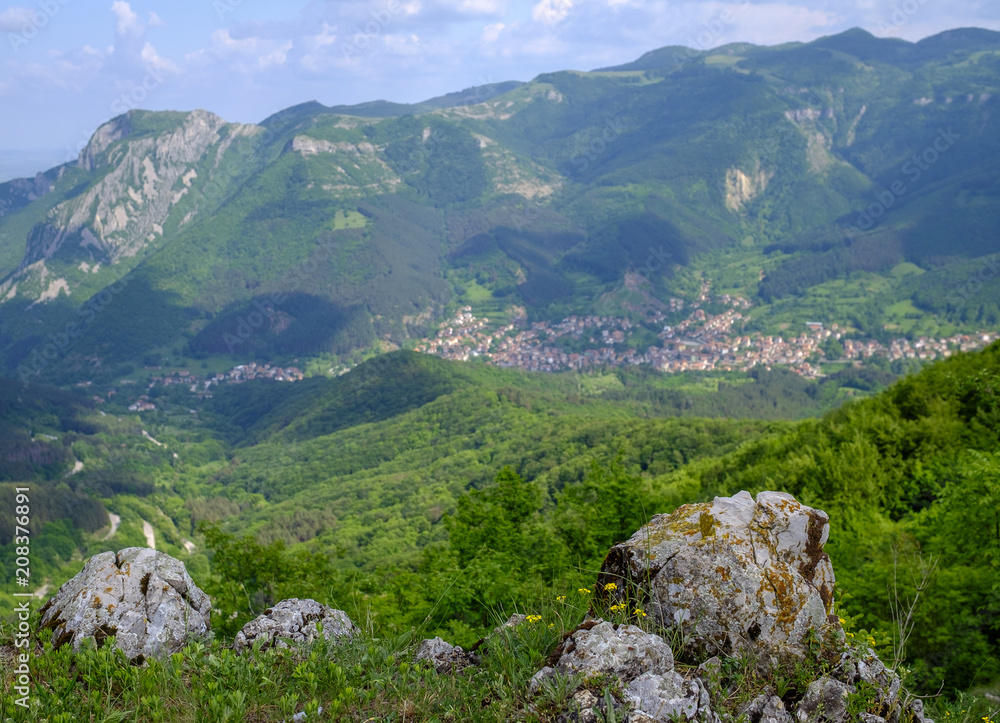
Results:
[347, 219]
[373, 676]
[597, 384]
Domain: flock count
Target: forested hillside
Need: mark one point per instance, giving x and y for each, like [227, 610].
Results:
[849, 181]
[466, 490]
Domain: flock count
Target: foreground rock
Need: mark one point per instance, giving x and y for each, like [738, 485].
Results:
[444, 657]
[641, 662]
[144, 598]
[737, 574]
[296, 621]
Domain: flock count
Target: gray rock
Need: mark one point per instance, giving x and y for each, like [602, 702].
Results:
[581, 708]
[710, 674]
[755, 708]
[144, 598]
[738, 575]
[296, 620]
[873, 671]
[535, 684]
[621, 650]
[775, 712]
[642, 662]
[662, 698]
[443, 656]
[824, 701]
[916, 707]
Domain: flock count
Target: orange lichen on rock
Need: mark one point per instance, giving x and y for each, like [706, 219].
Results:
[695, 565]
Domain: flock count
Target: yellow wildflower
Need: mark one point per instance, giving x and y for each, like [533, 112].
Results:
[610, 586]
[533, 618]
[583, 591]
[638, 611]
[560, 598]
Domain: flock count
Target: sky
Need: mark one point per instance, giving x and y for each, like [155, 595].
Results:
[66, 66]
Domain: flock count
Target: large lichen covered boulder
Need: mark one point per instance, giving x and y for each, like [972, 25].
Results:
[144, 598]
[737, 574]
[299, 621]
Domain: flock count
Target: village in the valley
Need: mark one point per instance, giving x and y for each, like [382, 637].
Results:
[701, 341]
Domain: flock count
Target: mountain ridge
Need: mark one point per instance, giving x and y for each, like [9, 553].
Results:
[546, 195]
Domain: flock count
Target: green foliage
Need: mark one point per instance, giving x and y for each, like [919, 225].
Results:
[364, 230]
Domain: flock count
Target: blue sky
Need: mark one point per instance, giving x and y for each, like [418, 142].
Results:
[68, 65]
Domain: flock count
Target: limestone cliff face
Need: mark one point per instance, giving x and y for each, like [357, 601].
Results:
[142, 178]
[126, 209]
[346, 169]
[741, 187]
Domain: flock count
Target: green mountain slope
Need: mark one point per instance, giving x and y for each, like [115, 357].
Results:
[778, 173]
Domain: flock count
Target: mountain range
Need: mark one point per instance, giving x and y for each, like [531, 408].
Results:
[849, 180]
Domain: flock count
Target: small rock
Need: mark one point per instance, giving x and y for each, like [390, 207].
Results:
[824, 701]
[663, 698]
[622, 650]
[873, 671]
[443, 656]
[296, 620]
[774, 712]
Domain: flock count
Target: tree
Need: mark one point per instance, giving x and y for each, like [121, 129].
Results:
[605, 508]
[498, 518]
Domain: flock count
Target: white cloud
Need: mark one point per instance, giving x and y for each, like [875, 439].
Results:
[127, 21]
[482, 7]
[491, 33]
[16, 18]
[772, 23]
[551, 12]
[278, 56]
[326, 36]
[223, 41]
[154, 61]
